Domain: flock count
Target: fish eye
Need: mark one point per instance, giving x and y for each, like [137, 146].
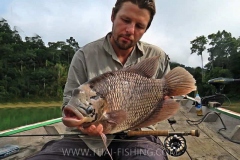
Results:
[89, 110]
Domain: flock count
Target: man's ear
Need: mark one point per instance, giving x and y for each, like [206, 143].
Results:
[113, 15]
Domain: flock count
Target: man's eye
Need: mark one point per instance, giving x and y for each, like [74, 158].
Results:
[140, 26]
[126, 20]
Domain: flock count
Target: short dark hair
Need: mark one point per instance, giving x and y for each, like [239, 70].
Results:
[146, 4]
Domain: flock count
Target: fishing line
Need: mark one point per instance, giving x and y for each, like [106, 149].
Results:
[228, 100]
[74, 136]
[52, 135]
[225, 128]
[191, 122]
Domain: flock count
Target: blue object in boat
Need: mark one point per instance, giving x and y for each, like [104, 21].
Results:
[8, 150]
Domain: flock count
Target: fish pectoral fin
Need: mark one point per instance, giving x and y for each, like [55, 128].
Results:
[116, 117]
[112, 119]
[164, 111]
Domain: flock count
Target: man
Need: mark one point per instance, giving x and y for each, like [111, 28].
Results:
[119, 48]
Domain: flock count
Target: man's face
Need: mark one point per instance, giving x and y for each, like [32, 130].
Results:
[129, 25]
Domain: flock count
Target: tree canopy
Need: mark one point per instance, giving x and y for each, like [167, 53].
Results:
[223, 60]
[31, 69]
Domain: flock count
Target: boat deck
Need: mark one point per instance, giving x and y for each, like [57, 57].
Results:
[208, 146]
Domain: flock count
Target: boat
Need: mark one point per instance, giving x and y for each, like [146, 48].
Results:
[208, 145]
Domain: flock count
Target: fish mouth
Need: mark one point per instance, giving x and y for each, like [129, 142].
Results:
[72, 117]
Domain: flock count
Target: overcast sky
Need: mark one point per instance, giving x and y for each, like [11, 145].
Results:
[177, 22]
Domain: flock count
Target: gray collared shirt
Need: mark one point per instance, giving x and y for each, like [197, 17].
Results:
[99, 57]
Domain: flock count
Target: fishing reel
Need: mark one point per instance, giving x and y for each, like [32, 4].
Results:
[175, 145]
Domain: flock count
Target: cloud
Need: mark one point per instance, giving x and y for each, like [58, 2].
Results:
[179, 22]
[58, 19]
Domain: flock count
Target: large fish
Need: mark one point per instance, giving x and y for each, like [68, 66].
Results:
[128, 98]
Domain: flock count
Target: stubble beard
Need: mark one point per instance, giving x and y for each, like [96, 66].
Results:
[122, 45]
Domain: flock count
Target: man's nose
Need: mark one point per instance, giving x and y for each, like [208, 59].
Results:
[130, 28]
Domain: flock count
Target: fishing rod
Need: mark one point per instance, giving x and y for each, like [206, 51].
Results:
[174, 143]
[125, 133]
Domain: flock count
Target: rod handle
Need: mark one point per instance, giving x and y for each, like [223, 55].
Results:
[163, 133]
[145, 133]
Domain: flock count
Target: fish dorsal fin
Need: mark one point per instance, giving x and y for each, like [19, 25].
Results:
[146, 68]
[98, 79]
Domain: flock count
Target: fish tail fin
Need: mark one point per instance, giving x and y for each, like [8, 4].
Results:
[179, 82]
[104, 138]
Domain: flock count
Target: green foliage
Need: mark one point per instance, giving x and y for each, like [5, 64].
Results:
[29, 69]
[198, 46]
[224, 58]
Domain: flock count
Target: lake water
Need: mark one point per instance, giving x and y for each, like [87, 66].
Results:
[16, 117]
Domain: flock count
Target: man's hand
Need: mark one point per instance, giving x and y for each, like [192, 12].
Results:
[92, 130]
[166, 97]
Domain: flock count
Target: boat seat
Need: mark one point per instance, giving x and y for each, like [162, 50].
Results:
[51, 130]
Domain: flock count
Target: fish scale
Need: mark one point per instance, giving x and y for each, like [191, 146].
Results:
[137, 107]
